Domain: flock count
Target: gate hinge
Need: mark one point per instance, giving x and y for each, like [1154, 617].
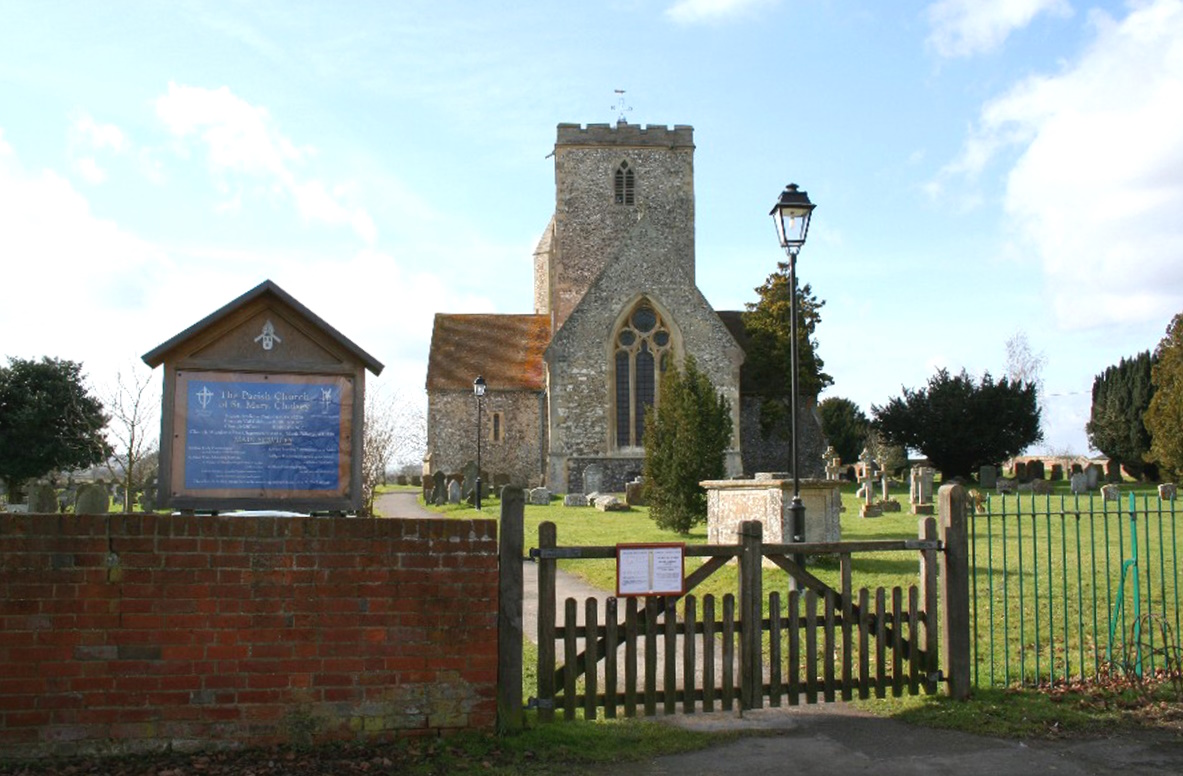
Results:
[540, 703]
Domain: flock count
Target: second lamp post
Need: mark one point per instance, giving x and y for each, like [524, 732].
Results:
[478, 390]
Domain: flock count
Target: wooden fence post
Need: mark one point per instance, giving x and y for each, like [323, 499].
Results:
[955, 624]
[546, 624]
[510, 717]
[751, 592]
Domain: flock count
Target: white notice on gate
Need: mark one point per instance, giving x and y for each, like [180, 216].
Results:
[649, 569]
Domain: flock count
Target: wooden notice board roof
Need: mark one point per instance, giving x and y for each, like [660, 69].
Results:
[264, 292]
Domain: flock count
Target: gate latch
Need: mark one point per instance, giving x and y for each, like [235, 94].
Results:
[540, 703]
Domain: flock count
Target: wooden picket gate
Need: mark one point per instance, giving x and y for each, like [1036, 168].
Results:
[821, 644]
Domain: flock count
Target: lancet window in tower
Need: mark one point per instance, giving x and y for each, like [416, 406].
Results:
[642, 352]
[624, 185]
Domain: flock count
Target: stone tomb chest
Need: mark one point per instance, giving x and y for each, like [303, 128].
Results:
[767, 498]
[262, 409]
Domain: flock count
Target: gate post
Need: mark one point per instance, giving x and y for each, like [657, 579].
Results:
[547, 538]
[510, 717]
[955, 588]
[751, 610]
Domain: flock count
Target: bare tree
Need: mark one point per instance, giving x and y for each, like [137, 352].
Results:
[134, 406]
[1025, 366]
[1022, 365]
[395, 433]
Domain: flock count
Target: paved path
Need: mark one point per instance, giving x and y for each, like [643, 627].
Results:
[402, 503]
[837, 738]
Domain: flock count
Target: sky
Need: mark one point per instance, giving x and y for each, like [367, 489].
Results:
[981, 170]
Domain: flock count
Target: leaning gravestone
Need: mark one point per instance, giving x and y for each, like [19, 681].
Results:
[593, 478]
[1111, 493]
[539, 496]
[987, 477]
[1080, 483]
[439, 489]
[91, 500]
[1166, 491]
[42, 498]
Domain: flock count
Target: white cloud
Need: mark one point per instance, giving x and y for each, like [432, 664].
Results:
[694, 11]
[1097, 187]
[961, 28]
[93, 277]
[241, 141]
[87, 136]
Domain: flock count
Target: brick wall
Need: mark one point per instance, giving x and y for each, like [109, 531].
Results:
[136, 632]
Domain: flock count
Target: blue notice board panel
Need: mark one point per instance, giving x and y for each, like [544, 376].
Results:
[254, 434]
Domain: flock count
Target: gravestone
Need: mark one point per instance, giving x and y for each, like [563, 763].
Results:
[1057, 472]
[1006, 485]
[1113, 471]
[92, 500]
[454, 492]
[593, 478]
[1111, 493]
[1080, 483]
[470, 474]
[43, 498]
[500, 480]
[1076, 468]
[1035, 470]
[920, 485]
[539, 496]
[575, 500]
[1021, 471]
[867, 492]
[1166, 491]
[832, 463]
[401, 480]
[634, 493]
[987, 477]
[1042, 487]
[610, 504]
[1092, 475]
[439, 489]
[416, 480]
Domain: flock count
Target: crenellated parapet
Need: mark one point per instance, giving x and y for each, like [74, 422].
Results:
[680, 135]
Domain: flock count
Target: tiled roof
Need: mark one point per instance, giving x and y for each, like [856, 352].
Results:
[505, 349]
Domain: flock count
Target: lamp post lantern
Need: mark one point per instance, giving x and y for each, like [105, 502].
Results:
[791, 215]
[478, 390]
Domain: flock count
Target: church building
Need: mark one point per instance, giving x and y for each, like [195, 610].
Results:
[615, 304]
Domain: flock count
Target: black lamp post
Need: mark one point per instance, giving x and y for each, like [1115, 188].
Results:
[478, 390]
[791, 215]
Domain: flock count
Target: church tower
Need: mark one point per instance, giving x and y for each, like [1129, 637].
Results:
[614, 276]
[609, 179]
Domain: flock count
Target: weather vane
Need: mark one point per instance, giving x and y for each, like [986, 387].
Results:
[621, 106]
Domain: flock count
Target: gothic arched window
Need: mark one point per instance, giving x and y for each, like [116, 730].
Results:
[641, 354]
[624, 185]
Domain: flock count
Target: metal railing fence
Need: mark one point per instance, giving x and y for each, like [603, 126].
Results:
[1073, 587]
